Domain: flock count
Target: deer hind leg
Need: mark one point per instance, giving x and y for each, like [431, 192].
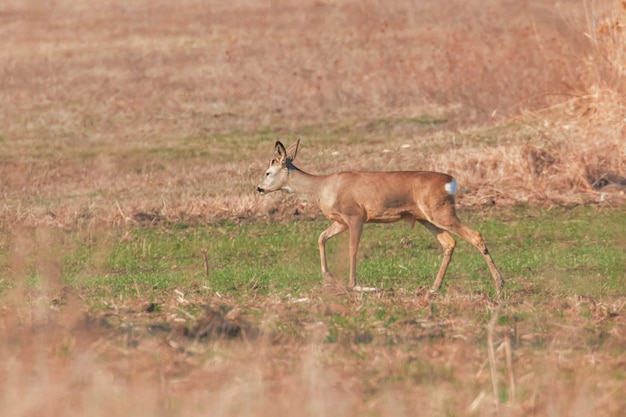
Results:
[448, 244]
[453, 224]
[333, 230]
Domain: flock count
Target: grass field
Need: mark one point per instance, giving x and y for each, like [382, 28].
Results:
[185, 320]
[140, 273]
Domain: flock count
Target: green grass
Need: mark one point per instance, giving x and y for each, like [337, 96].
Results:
[562, 252]
[557, 252]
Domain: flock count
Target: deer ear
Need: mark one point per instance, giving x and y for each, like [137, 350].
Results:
[292, 151]
[281, 153]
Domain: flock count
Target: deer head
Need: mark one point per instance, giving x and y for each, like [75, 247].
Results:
[277, 174]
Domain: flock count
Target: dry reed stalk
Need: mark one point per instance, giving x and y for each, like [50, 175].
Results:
[492, 359]
[509, 367]
[205, 259]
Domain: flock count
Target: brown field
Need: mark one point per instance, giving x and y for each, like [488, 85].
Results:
[114, 112]
[112, 109]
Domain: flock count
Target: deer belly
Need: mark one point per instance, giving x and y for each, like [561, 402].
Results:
[391, 216]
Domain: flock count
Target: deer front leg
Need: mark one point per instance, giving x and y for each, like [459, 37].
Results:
[333, 230]
[355, 224]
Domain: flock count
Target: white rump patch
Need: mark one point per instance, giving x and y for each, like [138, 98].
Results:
[451, 187]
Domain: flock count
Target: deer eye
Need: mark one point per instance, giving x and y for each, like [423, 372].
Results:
[267, 174]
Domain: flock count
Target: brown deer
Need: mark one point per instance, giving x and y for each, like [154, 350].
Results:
[351, 199]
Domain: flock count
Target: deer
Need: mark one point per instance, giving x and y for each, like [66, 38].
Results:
[352, 199]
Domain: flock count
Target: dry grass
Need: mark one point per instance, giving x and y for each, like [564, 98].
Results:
[144, 107]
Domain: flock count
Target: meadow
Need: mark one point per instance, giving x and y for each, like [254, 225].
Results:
[140, 273]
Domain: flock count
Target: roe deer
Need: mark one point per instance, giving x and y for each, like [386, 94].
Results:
[351, 199]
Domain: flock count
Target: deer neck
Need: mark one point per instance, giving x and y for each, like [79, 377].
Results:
[300, 182]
